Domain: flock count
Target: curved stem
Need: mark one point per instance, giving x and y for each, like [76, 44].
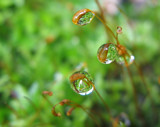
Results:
[101, 10]
[108, 29]
[89, 114]
[103, 20]
[76, 105]
[106, 105]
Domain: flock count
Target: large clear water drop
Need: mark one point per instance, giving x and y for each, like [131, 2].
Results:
[82, 83]
[125, 59]
[107, 53]
[83, 17]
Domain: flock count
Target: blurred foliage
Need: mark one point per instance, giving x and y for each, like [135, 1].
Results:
[40, 48]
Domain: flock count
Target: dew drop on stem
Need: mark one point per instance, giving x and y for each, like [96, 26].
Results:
[82, 83]
[107, 53]
[83, 17]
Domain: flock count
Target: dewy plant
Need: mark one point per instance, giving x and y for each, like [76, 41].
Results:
[106, 54]
[82, 82]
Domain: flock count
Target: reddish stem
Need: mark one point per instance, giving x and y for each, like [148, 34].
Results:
[106, 105]
[146, 87]
[134, 93]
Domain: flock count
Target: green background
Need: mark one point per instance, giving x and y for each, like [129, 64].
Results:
[40, 48]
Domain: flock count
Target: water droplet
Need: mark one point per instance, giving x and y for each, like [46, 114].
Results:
[124, 120]
[119, 30]
[83, 17]
[107, 53]
[82, 83]
[128, 56]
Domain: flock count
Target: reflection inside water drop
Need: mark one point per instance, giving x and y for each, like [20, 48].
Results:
[82, 83]
[129, 58]
[107, 53]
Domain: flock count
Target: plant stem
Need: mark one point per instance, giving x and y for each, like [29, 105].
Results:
[76, 105]
[89, 114]
[101, 10]
[13, 110]
[103, 20]
[124, 15]
[117, 39]
[31, 102]
[134, 92]
[146, 87]
[44, 96]
[106, 105]
[142, 78]
[107, 29]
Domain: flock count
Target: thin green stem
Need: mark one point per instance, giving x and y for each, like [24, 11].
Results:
[124, 15]
[103, 20]
[101, 10]
[146, 87]
[117, 39]
[87, 112]
[107, 107]
[31, 102]
[143, 80]
[134, 93]
[44, 96]
[108, 30]
[13, 110]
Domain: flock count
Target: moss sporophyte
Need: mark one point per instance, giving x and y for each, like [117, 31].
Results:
[81, 81]
[83, 17]
[106, 54]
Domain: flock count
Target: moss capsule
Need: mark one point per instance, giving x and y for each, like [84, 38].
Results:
[82, 83]
[83, 17]
[125, 57]
[107, 53]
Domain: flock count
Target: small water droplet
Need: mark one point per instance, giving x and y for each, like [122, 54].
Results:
[124, 120]
[119, 30]
[107, 53]
[128, 56]
[83, 17]
[82, 83]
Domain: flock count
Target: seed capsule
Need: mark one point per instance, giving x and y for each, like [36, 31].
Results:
[70, 111]
[83, 17]
[47, 93]
[82, 83]
[107, 53]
